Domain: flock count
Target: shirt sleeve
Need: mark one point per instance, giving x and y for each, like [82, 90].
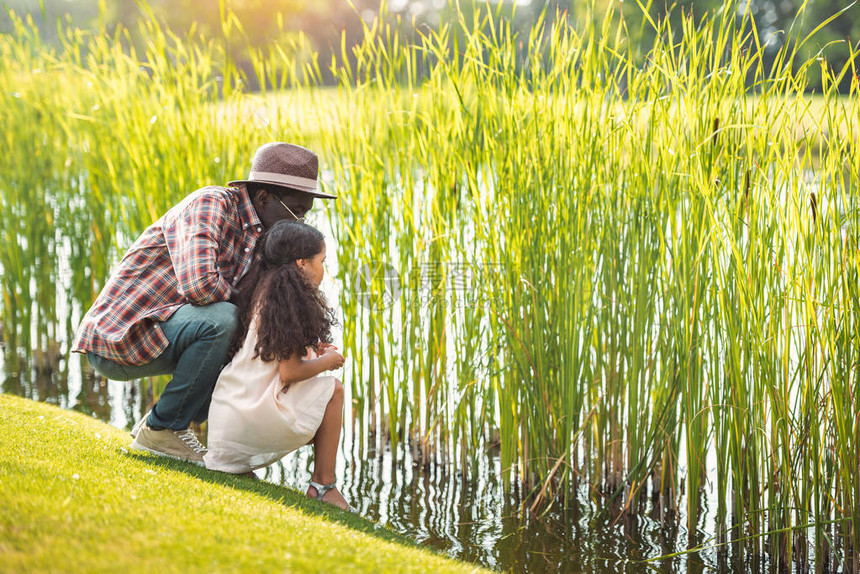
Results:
[192, 240]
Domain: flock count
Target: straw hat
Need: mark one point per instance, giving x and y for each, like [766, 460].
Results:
[285, 165]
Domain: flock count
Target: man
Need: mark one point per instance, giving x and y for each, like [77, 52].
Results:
[166, 308]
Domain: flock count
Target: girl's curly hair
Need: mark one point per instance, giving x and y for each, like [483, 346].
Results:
[291, 313]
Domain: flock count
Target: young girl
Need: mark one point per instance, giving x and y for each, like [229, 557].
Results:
[270, 400]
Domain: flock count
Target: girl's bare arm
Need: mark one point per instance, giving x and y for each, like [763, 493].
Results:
[297, 368]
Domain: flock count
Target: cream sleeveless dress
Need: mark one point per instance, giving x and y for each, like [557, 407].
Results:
[253, 422]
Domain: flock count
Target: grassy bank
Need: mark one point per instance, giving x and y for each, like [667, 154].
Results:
[75, 500]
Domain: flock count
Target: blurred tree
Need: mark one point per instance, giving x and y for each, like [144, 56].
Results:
[260, 23]
[777, 22]
[264, 22]
[832, 42]
[47, 12]
[125, 12]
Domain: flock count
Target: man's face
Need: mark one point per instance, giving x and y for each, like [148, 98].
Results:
[289, 205]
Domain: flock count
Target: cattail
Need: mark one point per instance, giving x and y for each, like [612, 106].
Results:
[813, 203]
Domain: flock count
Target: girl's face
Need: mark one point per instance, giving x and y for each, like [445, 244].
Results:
[313, 267]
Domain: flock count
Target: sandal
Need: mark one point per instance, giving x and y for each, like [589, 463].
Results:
[322, 489]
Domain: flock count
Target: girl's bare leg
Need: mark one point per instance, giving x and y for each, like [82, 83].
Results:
[325, 448]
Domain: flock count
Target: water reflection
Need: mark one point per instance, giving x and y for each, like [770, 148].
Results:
[70, 384]
[45, 381]
[473, 519]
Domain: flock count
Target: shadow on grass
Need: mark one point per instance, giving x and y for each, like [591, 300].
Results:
[286, 496]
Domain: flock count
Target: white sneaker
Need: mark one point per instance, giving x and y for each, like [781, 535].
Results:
[182, 445]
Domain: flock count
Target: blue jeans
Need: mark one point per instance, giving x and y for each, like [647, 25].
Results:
[199, 339]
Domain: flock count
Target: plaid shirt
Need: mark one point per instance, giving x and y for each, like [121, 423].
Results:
[193, 254]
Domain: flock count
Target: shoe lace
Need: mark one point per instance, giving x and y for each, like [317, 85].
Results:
[189, 438]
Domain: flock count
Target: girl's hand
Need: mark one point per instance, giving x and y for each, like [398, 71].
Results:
[332, 357]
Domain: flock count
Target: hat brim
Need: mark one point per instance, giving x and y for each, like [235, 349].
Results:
[313, 193]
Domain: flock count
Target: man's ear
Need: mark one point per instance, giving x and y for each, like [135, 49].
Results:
[262, 196]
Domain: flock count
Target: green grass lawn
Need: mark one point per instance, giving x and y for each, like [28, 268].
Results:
[73, 498]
